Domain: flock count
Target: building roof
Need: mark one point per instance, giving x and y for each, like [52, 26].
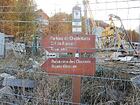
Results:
[42, 14]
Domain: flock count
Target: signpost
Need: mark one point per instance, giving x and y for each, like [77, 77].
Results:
[72, 66]
[69, 43]
[73, 43]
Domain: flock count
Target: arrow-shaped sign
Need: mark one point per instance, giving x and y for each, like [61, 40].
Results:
[76, 66]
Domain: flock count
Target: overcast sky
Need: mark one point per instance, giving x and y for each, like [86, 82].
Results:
[128, 10]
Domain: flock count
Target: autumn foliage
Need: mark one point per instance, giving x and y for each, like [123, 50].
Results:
[17, 17]
[60, 23]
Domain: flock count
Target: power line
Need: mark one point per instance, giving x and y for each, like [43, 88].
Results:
[137, 7]
[98, 2]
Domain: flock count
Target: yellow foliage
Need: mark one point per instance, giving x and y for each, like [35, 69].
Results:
[16, 17]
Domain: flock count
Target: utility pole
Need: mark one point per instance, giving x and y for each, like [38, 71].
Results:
[85, 15]
[87, 21]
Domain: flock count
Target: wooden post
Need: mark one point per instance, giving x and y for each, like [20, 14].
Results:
[76, 90]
